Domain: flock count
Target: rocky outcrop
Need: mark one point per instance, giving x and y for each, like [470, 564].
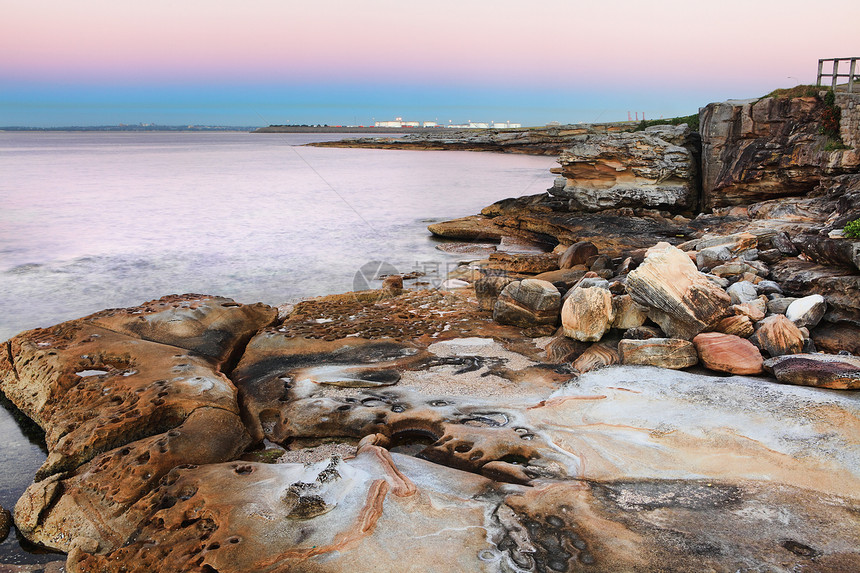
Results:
[755, 150]
[820, 370]
[548, 140]
[655, 168]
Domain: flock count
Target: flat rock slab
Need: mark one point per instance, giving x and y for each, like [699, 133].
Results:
[728, 353]
[672, 353]
[821, 370]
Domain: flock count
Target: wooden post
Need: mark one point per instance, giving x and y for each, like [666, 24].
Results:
[835, 74]
[851, 75]
[820, 67]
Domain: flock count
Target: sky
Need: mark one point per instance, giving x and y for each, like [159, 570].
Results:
[352, 62]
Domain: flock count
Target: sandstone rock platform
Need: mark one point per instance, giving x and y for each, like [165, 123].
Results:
[457, 438]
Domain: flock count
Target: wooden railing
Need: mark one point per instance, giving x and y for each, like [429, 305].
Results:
[835, 75]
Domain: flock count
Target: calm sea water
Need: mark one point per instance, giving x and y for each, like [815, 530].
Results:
[99, 220]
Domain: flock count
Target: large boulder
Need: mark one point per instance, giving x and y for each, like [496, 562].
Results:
[488, 289]
[755, 150]
[807, 311]
[778, 336]
[820, 370]
[577, 254]
[728, 353]
[671, 353]
[655, 168]
[587, 314]
[681, 299]
[527, 303]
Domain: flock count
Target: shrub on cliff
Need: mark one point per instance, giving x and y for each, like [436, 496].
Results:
[692, 122]
[852, 229]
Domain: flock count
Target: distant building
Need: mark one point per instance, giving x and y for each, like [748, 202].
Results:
[431, 124]
[505, 125]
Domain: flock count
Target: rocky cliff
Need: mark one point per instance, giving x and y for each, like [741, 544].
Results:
[755, 150]
[656, 168]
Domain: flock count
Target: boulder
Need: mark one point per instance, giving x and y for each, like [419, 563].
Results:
[527, 303]
[742, 291]
[835, 338]
[681, 299]
[780, 305]
[728, 353]
[587, 314]
[755, 309]
[655, 169]
[712, 257]
[671, 353]
[739, 325]
[488, 289]
[768, 287]
[820, 370]
[577, 254]
[597, 356]
[564, 277]
[840, 287]
[628, 314]
[778, 336]
[807, 311]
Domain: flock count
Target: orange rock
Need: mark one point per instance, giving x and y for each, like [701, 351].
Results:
[728, 353]
[671, 353]
[587, 314]
[778, 336]
[597, 356]
[739, 325]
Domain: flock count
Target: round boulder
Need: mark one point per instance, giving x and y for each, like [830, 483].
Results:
[577, 254]
[728, 353]
[528, 303]
[807, 311]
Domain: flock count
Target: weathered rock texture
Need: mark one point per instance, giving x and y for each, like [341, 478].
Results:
[662, 352]
[587, 314]
[821, 370]
[728, 353]
[756, 150]
[655, 168]
[528, 303]
[5, 523]
[451, 423]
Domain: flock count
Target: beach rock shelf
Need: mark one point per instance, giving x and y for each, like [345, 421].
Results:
[459, 439]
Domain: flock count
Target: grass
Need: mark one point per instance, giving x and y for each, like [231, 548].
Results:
[691, 120]
[804, 90]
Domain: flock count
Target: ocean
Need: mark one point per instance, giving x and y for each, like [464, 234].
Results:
[90, 221]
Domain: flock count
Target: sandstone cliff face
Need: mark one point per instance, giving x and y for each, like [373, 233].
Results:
[755, 150]
[655, 168]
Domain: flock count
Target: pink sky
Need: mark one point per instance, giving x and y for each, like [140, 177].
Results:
[452, 41]
[729, 49]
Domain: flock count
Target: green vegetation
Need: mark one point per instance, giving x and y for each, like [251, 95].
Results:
[805, 90]
[690, 120]
[852, 229]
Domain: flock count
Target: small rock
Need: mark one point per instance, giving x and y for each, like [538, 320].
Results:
[807, 311]
[770, 256]
[577, 254]
[454, 284]
[587, 314]
[393, 283]
[527, 303]
[738, 325]
[712, 257]
[643, 333]
[768, 287]
[778, 336]
[742, 291]
[489, 288]
[569, 277]
[728, 353]
[784, 244]
[563, 349]
[756, 309]
[597, 356]
[671, 353]
[820, 370]
[733, 269]
[779, 305]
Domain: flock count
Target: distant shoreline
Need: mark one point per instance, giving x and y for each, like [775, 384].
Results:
[343, 129]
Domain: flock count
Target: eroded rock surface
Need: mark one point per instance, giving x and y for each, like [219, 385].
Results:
[457, 438]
